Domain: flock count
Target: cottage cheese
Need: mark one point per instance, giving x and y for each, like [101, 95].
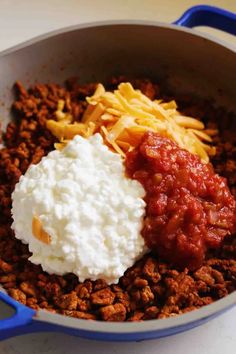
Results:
[92, 212]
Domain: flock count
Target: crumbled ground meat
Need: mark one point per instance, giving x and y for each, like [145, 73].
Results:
[151, 288]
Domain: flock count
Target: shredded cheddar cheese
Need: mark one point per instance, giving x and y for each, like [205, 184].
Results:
[38, 231]
[123, 116]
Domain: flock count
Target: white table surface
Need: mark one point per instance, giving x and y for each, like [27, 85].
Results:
[24, 19]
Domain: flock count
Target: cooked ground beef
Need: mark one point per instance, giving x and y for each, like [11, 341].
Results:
[151, 288]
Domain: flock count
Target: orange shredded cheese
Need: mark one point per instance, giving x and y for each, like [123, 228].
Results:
[123, 116]
[38, 231]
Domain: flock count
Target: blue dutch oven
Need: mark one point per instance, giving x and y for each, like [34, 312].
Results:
[186, 60]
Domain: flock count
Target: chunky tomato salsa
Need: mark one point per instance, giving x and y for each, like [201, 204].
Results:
[189, 207]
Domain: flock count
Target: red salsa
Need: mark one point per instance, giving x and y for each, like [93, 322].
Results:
[189, 207]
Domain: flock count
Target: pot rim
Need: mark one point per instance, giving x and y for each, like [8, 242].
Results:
[108, 23]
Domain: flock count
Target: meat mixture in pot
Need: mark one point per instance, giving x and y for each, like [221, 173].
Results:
[151, 288]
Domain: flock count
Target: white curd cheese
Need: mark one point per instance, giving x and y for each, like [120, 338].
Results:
[92, 213]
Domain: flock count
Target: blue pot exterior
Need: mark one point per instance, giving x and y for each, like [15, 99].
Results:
[34, 326]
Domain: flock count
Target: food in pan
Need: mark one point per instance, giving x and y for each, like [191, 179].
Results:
[76, 205]
[169, 248]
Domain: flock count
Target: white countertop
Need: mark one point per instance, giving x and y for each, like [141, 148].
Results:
[24, 19]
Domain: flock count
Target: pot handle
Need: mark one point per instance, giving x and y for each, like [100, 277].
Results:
[211, 16]
[19, 322]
